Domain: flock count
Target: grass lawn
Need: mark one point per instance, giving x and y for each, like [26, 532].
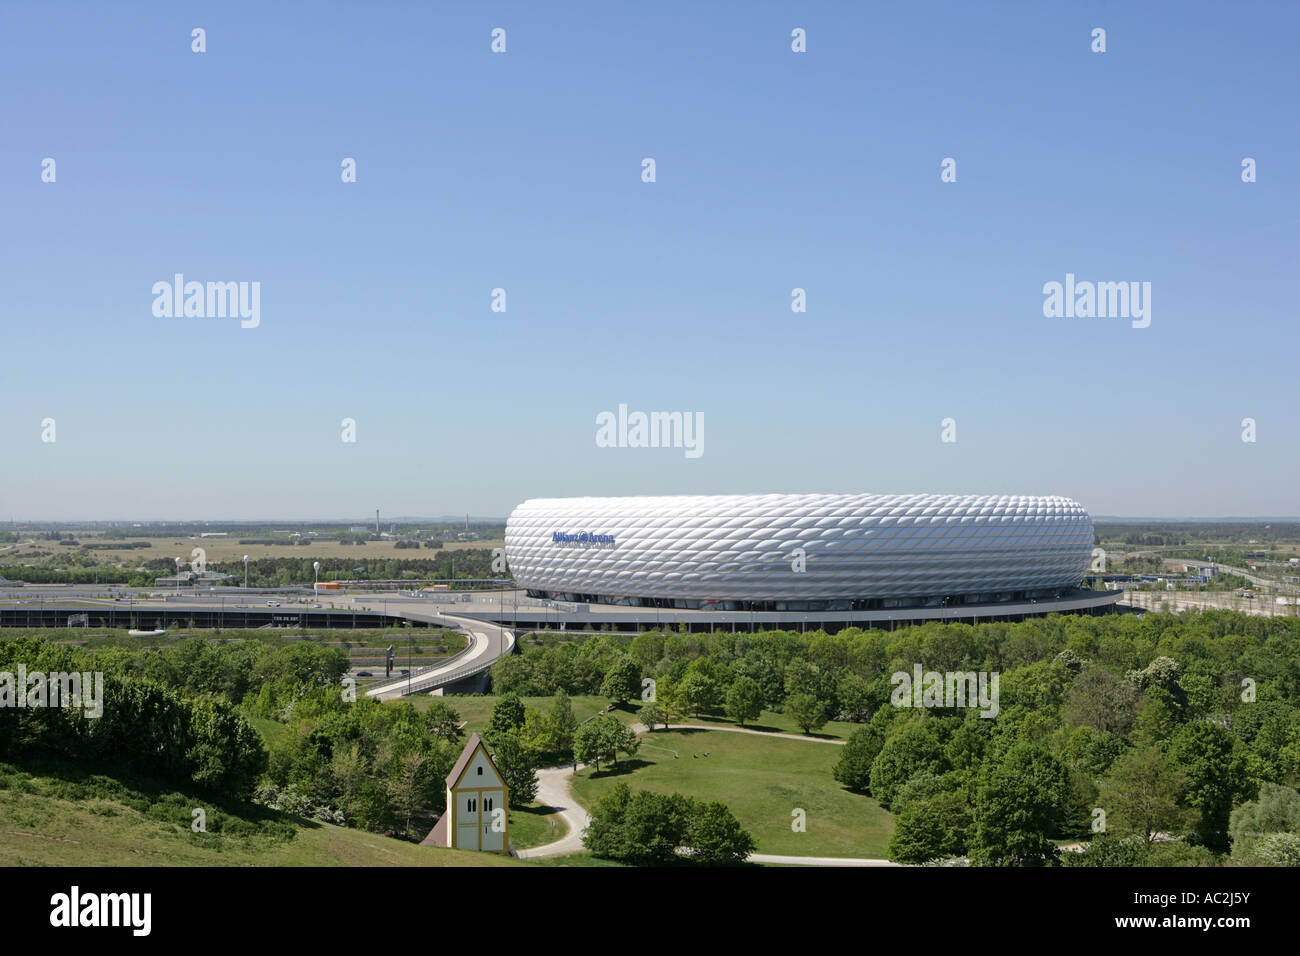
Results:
[762, 779]
[272, 731]
[781, 723]
[530, 826]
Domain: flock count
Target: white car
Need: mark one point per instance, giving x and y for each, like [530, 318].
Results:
[272, 603]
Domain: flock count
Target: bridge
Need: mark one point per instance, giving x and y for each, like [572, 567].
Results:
[487, 643]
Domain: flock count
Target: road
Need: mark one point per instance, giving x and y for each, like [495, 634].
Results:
[553, 791]
[1261, 605]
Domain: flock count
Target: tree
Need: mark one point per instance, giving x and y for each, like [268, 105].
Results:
[563, 724]
[744, 700]
[930, 828]
[227, 753]
[408, 788]
[716, 837]
[1102, 701]
[907, 751]
[806, 711]
[442, 720]
[1141, 795]
[1106, 849]
[697, 692]
[518, 767]
[638, 827]
[1019, 805]
[507, 715]
[1214, 762]
[854, 695]
[651, 714]
[646, 828]
[622, 681]
[596, 740]
[853, 768]
[628, 741]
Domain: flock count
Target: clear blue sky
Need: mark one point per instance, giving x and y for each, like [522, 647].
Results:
[775, 170]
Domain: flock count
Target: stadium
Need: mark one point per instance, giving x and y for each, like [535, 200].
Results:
[853, 557]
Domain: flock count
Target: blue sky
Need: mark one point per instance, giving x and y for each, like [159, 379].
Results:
[522, 171]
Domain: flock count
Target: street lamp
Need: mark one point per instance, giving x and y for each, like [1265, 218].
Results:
[245, 572]
[178, 575]
[315, 566]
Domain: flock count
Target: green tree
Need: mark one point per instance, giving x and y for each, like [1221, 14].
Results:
[907, 751]
[855, 699]
[931, 828]
[853, 768]
[507, 715]
[1107, 849]
[441, 720]
[806, 711]
[517, 766]
[1019, 806]
[1101, 700]
[563, 724]
[716, 836]
[1214, 762]
[622, 681]
[650, 715]
[1141, 794]
[597, 740]
[227, 752]
[408, 788]
[697, 693]
[744, 700]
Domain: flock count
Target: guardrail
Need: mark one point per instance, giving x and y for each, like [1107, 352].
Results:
[425, 678]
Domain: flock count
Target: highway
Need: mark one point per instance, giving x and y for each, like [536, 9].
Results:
[488, 642]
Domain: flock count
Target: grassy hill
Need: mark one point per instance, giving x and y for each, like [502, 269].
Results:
[762, 780]
[49, 821]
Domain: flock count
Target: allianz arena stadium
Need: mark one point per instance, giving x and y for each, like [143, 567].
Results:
[849, 552]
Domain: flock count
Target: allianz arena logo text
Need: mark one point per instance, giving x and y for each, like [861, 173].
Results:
[583, 539]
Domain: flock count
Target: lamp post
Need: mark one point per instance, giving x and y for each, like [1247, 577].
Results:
[245, 572]
[315, 566]
[178, 576]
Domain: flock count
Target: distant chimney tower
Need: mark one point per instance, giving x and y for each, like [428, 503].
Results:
[467, 522]
[376, 521]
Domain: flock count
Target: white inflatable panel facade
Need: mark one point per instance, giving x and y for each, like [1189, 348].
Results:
[807, 547]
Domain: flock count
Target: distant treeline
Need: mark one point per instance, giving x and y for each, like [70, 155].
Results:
[1176, 534]
[271, 572]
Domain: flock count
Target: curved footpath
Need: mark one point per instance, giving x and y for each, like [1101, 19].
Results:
[553, 791]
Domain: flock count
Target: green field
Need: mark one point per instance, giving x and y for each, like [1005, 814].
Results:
[762, 780]
[530, 826]
[772, 722]
[39, 828]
